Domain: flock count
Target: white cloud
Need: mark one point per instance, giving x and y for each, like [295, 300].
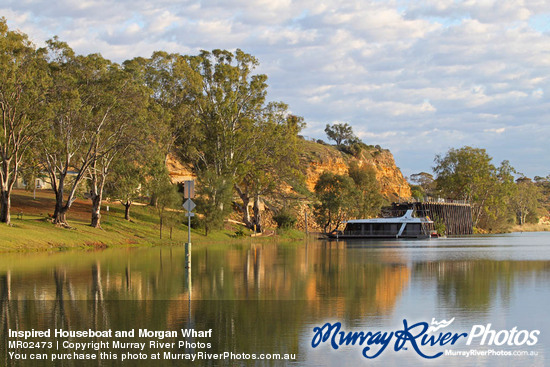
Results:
[496, 131]
[448, 72]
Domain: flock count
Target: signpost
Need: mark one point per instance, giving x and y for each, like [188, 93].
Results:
[189, 205]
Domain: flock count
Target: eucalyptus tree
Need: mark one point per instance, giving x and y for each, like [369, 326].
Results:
[272, 162]
[173, 84]
[96, 108]
[371, 198]
[469, 174]
[65, 144]
[527, 200]
[119, 107]
[131, 173]
[341, 133]
[124, 183]
[23, 81]
[227, 108]
[466, 174]
[230, 102]
[424, 183]
[498, 213]
[337, 200]
[213, 194]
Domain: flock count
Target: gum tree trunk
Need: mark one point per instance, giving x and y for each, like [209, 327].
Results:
[257, 214]
[5, 207]
[244, 208]
[96, 210]
[127, 205]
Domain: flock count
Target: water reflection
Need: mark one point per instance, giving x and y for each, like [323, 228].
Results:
[253, 292]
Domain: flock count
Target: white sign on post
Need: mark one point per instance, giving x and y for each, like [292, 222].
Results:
[189, 205]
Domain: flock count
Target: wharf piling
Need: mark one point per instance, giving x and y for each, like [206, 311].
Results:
[457, 216]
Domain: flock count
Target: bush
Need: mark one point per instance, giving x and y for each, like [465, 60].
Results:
[285, 219]
[352, 147]
[240, 232]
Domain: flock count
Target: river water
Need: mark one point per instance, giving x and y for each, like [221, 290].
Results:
[268, 298]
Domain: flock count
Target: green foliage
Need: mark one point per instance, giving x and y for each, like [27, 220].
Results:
[174, 85]
[23, 108]
[285, 219]
[526, 201]
[417, 191]
[423, 185]
[543, 184]
[354, 147]
[439, 225]
[230, 101]
[167, 198]
[156, 177]
[338, 197]
[341, 133]
[467, 173]
[126, 180]
[240, 232]
[213, 199]
[371, 199]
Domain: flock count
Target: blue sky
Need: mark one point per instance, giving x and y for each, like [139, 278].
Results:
[417, 77]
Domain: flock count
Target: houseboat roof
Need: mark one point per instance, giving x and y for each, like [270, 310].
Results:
[407, 218]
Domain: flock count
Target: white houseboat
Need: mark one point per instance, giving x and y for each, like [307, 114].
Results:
[407, 226]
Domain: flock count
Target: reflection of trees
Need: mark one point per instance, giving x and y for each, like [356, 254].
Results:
[474, 284]
[256, 297]
[99, 315]
[356, 285]
[6, 320]
[59, 315]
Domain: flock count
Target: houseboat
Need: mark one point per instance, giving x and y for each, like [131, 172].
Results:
[407, 226]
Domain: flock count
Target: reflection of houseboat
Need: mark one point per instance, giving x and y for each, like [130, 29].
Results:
[407, 226]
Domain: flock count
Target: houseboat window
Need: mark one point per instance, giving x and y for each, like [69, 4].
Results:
[353, 228]
[367, 228]
[378, 228]
[412, 229]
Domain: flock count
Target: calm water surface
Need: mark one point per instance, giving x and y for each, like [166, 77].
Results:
[267, 298]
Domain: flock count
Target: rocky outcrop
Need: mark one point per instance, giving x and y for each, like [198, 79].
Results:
[318, 158]
[178, 171]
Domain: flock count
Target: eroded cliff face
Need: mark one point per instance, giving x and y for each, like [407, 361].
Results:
[178, 171]
[318, 158]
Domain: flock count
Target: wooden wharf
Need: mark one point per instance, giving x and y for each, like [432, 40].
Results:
[456, 215]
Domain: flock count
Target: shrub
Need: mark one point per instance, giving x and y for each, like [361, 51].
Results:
[240, 232]
[285, 219]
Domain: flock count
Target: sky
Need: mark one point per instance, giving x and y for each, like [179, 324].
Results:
[415, 77]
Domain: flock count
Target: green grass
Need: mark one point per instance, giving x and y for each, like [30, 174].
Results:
[35, 232]
[290, 234]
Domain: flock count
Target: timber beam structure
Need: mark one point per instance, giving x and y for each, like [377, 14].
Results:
[457, 216]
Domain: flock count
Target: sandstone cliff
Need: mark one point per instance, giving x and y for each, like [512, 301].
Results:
[318, 158]
[179, 172]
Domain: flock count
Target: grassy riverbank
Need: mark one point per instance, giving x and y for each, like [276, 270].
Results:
[531, 227]
[32, 230]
